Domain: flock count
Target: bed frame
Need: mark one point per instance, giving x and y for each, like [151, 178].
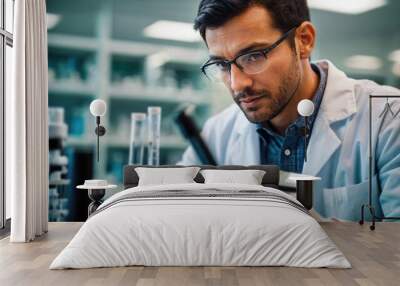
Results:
[303, 191]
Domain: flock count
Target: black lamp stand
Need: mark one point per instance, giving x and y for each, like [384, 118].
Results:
[100, 131]
[305, 132]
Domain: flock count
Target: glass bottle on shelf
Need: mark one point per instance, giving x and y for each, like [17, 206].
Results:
[154, 123]
[136, 144]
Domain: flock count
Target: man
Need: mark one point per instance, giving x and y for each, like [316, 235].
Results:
[260, 50]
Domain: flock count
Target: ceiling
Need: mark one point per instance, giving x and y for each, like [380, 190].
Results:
[376, 32]
[135, 14]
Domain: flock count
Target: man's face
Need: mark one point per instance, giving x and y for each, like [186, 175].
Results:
[264, 95]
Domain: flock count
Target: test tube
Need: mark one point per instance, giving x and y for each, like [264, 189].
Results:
[136, 146]
[154, 123]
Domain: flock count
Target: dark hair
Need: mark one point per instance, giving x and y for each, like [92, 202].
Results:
[286, 14]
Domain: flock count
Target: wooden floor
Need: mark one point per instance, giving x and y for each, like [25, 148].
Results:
[374, 255]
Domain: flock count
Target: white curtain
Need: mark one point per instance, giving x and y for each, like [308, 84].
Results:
[27, 124]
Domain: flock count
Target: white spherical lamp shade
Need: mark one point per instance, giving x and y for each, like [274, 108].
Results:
[305, 107]
[98, 107]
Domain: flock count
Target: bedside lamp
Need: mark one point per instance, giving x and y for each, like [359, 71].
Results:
[305, 108]
[98, 108]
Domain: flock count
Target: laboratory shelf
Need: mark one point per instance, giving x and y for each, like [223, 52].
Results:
[170, 54]
[158, 94]
[115, 141]
[162, 53]
[70, 42]
[81, 142]
[129, 76]
[166, 142]
[79, 89]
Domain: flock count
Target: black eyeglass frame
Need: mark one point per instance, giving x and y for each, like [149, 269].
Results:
[264, 51]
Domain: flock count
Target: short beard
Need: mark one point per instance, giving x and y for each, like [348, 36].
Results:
[287, 89]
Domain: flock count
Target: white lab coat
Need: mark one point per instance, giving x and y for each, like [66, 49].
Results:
[337, 150]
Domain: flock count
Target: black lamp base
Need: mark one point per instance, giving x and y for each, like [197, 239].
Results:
[372, 212]
[374, 217]
[96, 199]
[304, 193]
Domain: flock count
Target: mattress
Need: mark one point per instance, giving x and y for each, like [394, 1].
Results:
[201, 225]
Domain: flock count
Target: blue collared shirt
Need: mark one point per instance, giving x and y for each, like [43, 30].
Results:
[288, 151]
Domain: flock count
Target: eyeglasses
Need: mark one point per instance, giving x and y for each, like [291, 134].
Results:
[252, 62]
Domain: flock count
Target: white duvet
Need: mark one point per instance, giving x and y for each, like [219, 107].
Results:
[200, 231]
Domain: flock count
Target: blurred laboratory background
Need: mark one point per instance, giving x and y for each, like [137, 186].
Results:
[134, 54]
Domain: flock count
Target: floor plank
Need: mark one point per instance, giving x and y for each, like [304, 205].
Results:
[374, 255]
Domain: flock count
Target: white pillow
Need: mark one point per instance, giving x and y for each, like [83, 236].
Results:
[166, 176]
[248, 177]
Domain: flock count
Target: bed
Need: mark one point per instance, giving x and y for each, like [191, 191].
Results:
[201, 224]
